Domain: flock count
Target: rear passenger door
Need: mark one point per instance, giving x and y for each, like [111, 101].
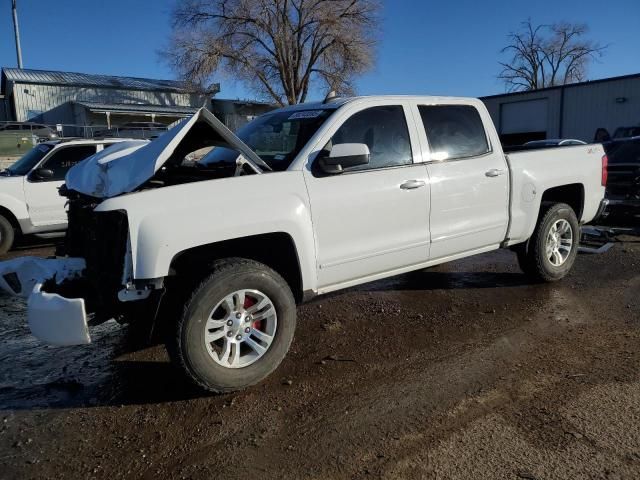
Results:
[373, 218]
[46, 206]
[469, 180]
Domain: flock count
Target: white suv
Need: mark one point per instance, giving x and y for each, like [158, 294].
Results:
[29, 199]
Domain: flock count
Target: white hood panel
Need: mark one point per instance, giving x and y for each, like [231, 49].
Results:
[125, 166]
[112, 171]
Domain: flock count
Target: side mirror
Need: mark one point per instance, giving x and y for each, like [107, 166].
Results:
[345, 155]
[43, 173]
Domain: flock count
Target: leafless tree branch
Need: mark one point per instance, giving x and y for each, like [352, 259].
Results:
[548, 55]
[279, 48]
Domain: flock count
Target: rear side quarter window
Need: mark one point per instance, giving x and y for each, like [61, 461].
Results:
[454, 131]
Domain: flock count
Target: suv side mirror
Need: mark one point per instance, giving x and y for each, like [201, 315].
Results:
[345, 155]
[43, 173]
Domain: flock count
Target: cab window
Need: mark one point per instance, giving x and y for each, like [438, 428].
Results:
[384, 130]
[66, 157]
[454, 131]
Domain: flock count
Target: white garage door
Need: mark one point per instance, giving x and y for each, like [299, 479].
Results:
[521, 117]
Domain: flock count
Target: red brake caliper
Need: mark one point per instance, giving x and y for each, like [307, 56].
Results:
[248, 303]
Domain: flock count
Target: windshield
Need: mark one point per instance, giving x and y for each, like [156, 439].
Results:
[275, 137]
[626, 132]
[29, 160]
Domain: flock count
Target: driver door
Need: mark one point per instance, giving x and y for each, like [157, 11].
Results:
[45, 205]
[371, 219]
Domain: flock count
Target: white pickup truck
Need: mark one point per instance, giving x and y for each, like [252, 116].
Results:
[29, 199]
[303, 201]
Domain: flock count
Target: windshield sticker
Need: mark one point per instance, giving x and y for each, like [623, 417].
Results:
[305, 114]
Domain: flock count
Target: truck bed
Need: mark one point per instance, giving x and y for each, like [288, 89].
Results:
[534, 172]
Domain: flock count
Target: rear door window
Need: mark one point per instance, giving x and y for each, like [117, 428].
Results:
[454, 131]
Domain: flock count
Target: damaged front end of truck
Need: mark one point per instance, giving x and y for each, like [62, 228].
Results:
[91, 279]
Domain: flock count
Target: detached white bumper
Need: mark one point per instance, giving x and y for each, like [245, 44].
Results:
[56, 320]
[52, 318]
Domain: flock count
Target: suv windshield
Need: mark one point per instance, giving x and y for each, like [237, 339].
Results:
[626, 132]
[29, 160]
[275, 137]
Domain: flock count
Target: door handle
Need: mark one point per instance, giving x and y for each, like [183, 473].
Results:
[412, 184]
[494, 172]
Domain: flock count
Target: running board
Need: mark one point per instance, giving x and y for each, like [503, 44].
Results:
[49, 235]
[595, 240]
[593, 250]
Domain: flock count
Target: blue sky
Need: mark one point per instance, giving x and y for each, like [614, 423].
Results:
[426, 47]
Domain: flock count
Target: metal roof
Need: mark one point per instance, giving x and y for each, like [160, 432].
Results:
[49, 77]
[565, 86]
[138, 108]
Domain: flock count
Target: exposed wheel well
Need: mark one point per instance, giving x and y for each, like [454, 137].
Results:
[572, 195]
[277, 250]
[6, 213]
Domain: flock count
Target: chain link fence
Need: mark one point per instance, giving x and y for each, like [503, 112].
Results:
[16, 139]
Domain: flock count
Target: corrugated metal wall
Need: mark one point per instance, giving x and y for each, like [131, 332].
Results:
[236, 114]
[586, 107]
[4, 109]
[30, 99]
[589, 107]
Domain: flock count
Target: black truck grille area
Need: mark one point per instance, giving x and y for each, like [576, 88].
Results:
[101, 239]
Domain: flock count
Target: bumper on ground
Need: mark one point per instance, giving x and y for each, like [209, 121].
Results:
[56, 320]
[52, 318]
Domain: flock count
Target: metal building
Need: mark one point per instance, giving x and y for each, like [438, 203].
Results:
[569, 111]
[236, 113]
[53, 97]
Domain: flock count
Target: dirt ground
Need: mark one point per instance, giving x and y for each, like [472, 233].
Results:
[462, 371]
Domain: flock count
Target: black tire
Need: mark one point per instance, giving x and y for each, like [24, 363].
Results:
[187, 344]
[532, 255]
[7, 235]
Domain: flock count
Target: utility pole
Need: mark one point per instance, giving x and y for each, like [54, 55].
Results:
[16, 31]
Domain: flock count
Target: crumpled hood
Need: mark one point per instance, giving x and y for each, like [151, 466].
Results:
[112, 171]
[125, 166]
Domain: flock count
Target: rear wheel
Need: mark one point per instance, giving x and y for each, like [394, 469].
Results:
[551, 251]
[236, 328]
[7, 235]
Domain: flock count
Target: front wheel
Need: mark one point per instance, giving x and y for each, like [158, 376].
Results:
[236, 327]
[551, 251]
[7, 235]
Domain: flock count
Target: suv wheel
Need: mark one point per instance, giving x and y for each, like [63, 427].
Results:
[551, 251]
[7, 235]
[236, 328]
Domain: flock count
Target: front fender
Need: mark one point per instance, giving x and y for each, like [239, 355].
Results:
[170, 220]
[17, 208]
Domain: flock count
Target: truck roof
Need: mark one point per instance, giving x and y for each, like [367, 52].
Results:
[338, 102]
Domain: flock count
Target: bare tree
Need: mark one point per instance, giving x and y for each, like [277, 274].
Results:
[279, 48]
[548, 55]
